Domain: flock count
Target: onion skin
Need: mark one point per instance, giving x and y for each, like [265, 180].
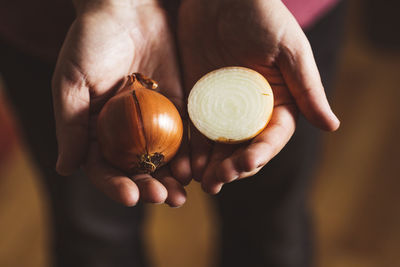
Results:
[139, 129]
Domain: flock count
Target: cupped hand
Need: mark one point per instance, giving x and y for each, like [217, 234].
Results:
[264, 36]
[105, 43]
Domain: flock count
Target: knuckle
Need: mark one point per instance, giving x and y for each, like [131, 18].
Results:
[227, 173]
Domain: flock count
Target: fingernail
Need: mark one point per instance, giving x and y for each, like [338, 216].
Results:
[219, 188]
[59, 168]
[214, 189]
[336, 123]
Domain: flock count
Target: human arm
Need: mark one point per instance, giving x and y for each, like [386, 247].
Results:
[264, 36]
[108, 40]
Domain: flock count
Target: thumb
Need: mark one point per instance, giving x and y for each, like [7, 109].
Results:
[71, 101]
[301, 75]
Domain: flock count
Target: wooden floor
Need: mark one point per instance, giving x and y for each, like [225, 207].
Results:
[355, 198]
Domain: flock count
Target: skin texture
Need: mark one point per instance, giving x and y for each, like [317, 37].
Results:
[106, 42]
[264, 36]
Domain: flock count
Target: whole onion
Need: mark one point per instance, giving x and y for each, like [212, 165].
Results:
[139, 129]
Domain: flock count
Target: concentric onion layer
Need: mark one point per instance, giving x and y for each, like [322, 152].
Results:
[231, 104]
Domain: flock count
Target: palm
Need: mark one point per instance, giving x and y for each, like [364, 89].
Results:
[98, 53]
[244, 33]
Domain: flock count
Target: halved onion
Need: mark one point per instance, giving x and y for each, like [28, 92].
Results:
[231, 105]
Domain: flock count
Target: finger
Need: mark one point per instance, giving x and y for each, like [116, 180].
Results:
[248, 161]
[200, 146]
[151, 190]
[71, 108]
[210, 182]
[172, 89]
[212, 188]
[246, 174]
[180, 164]
[243, 164]
[301, 74]
[112, 182]
[176, 193]
[200, 152]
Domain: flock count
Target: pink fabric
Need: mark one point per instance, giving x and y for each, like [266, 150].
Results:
[308, 11]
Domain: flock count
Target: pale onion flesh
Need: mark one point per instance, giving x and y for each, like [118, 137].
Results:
[231, 105]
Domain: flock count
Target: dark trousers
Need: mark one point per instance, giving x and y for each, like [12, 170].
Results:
[265, 220]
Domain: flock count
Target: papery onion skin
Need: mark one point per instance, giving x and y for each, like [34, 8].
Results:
[139, 129]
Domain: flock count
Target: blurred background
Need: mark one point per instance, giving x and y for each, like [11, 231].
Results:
[356, 191]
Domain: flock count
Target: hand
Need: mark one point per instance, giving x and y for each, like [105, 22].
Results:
[107, 41]
[264, 36]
